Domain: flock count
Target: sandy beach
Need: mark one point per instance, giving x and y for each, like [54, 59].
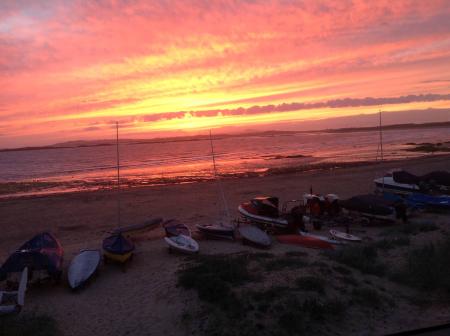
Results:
[146, 300]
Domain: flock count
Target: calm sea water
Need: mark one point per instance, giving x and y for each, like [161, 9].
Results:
[190, 161]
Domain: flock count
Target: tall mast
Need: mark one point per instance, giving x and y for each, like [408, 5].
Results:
[224, 200]
[381, 147]
[381, 138]
[118, 174]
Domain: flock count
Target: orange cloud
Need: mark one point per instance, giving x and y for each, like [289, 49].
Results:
[66, 66]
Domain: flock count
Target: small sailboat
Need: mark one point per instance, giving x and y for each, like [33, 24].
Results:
[137, 229]
[173, 228]
[82, 267]
[117, 247]
[344, 236]
[324, 238]
[178, 237]
[182, 243]
[305, 241]
[42, 253]
[252, 235]
[217, 231]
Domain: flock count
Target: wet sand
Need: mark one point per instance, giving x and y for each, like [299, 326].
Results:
[145, 299]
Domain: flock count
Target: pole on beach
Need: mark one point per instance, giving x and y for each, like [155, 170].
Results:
[224, 200]
[118, 174]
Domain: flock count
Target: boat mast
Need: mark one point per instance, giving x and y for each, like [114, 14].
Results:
[381, 139]
[381, 147]
[118, 174]
[217, 178]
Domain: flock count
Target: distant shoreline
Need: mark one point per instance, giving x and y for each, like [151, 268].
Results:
[30, 189]
[103, 143]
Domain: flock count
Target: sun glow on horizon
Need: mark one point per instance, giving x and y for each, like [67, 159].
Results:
[188, 67]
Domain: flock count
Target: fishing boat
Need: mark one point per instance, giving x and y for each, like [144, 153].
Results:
[182, 244]
[216, 231]
[41, 254]
[82, 267]
[173, 228]
[117, 248]
[137, 229]
[264, 210]
[251, 235]
[305, 241]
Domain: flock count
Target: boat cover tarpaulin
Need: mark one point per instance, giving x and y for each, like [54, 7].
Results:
[435, 177]
[438, 177]
[405, 177]
[175, 228]
[42, 252]
[266, 205]
[371, 204]
[117, 244]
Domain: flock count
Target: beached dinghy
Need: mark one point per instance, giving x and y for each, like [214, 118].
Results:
[182, 243]
[216, 231]
[264, 210]
[136, 229]
[344, 236]
[305, 241]
[117, 248]
[42, 253]
[82, 267]
[254, 236]
[173, 228]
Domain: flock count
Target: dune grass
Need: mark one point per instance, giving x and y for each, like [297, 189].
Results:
[426, 268]
[237, 307]
[362, 257]
[28, 324]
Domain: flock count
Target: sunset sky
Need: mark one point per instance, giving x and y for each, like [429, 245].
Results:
[70, 69]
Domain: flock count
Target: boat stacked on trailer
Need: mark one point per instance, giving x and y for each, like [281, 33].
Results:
[402, 182]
